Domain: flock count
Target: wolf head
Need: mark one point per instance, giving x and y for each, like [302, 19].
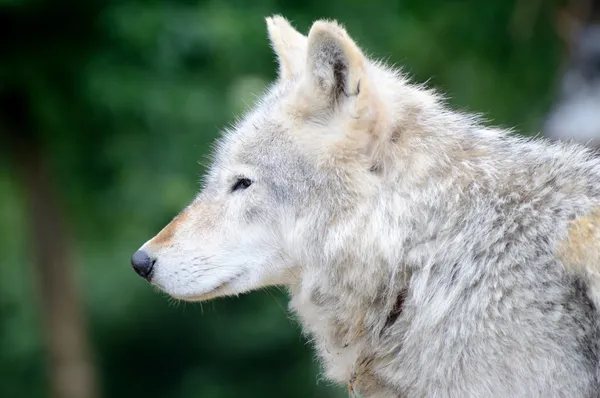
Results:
[287, 182]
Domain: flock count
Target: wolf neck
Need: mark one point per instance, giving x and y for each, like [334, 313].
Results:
[348, 298]
[345, 318]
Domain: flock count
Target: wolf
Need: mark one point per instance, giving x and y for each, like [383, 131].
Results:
[426, 254]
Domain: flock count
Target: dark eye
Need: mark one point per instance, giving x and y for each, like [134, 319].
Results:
[241, 183]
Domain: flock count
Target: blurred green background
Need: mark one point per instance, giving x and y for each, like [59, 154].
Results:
[108, 110]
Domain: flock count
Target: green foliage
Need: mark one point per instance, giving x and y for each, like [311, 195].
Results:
[129, 96]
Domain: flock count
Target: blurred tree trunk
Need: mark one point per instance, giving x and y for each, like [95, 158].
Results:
[574, 114]
[71, 371]
[572, 18]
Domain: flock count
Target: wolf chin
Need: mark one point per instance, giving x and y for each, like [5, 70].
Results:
[426, 254]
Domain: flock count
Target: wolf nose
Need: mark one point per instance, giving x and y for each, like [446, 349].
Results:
[142, 264]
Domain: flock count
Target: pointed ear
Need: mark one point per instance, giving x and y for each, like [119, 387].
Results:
[288, 44]
[335, 63]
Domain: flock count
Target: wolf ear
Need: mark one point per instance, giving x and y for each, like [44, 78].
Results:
[335, 63]
[288, 44]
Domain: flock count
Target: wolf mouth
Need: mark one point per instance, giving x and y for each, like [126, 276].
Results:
[211, 293]
[226, 282]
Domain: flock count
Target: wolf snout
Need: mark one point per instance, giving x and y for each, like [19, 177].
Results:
[142, 264]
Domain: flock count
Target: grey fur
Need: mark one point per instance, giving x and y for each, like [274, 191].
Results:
[418, 245]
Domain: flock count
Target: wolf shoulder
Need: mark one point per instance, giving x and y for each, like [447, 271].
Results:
[576, 194]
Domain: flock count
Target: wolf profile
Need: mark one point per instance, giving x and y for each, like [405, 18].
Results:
[426, 254]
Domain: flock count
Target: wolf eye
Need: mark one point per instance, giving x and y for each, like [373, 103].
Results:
[241, 183]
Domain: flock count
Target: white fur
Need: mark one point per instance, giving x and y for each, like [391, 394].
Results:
[366, 189]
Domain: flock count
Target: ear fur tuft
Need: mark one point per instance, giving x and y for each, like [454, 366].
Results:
[288, 44]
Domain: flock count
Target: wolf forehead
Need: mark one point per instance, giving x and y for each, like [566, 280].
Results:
[260, 145]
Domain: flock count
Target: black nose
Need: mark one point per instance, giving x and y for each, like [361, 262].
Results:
[142, 264]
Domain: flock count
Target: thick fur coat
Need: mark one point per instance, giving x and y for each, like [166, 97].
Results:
[426, 254]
